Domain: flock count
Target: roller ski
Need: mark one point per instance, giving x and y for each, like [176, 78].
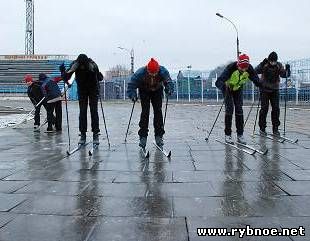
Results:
[159, 143]
[82, 142]
[142, 145]
[95, 144]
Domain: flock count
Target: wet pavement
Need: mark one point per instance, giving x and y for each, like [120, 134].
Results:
[119, 195]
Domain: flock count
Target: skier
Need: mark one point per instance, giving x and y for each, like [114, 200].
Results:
[53, 97]
[231, 84]
[35, 95]
[271, 70]
[87, 77]
[150, 80]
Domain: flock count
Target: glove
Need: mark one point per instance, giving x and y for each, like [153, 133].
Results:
[287, 67]
[62, 68]
[169, 88]
[133, 96]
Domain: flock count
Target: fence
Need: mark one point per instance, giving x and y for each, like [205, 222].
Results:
[117, 91]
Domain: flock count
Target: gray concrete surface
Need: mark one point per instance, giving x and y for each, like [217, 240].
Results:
[119, 195]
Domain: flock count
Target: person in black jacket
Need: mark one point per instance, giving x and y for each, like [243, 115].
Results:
[35, 95]
[87, 76]
[271, 71]
[53, 98]
[231, 83]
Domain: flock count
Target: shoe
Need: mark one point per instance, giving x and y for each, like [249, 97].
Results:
[49, 129]
[143, 141]
[96, 138]
[276, 132]
[159, 141]
[263, 132]
[241, 139]
[36, 128]
[228, 139]
[82, 139]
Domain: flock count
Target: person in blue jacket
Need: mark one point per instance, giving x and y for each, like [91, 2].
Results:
[53, 97]
[151, 80]
[231, 83]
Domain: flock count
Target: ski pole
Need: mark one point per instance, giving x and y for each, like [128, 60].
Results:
[258, 104]
[31, 112]
[248, 114]
[133, 106]
[166, 110]
[285, 100]
[218, 114]
[105, 125]
[67, 116]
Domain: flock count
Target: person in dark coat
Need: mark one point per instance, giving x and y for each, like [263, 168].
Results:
[87, 76]
[35, 95]
[151, 80]
[271, 70]
[53, 98]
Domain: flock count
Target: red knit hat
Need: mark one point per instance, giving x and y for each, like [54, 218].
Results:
[243, 61]
[28, 78]
[153, 66]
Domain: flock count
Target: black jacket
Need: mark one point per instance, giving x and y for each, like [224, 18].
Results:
[86, 76]
[35, 93]
[271, 74]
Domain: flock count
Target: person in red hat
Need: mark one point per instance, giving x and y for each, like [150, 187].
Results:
[231, 83]
[35, 95]
[151, 80]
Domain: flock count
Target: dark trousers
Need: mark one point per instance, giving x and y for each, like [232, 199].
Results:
[234, 100]
[93, 106]
[273, 98]
[37, 112]
[154, 97]
[51, 107]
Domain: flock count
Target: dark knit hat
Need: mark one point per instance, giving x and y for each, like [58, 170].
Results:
[273, 56]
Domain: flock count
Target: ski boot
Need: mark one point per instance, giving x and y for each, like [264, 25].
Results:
[36, 128]
[49, 129]
[262, 132]
[228, 139]
[96, 138]
[159, 141]
[143, 141]
[275, 132]
[82, 140]
[241, 139]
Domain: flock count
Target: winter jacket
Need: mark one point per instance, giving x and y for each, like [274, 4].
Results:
[86, 77]
[142, 80]
[51, 89]
[271, 74]
[35, 93]
[235, 79]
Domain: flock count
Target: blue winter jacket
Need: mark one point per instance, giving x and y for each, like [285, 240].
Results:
[50, 89]
[144, 82]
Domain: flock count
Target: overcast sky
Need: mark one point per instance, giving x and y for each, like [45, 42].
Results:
[176, 32]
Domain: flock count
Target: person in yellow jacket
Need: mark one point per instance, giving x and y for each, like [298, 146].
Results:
[231, 83]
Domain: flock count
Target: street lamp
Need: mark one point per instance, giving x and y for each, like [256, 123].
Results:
[132, 57]
[221, 16]
[188, 83]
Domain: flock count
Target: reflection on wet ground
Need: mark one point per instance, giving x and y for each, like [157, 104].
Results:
[120, 195]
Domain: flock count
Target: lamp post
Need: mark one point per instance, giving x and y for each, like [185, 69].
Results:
[188, 83]
[132, 57]
[221, 16]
